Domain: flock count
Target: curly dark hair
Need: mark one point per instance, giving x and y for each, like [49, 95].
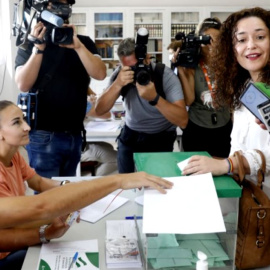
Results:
[231, 78]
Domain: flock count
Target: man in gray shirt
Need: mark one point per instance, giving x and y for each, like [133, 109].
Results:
[150, 119]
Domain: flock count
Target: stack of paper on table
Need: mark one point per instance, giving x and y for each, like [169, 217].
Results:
[122, 250]
[59, 255]
[96, 210]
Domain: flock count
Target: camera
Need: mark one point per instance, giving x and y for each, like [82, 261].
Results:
[142, 72]
[52, 15]
[61, 35]
[190, 49]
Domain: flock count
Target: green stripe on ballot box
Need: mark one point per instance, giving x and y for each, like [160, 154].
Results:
[164, 164]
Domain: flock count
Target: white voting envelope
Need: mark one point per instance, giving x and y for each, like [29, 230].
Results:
[190, 207]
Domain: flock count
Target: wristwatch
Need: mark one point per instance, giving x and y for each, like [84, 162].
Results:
[42, 237]
[35, 50]
[154, 101]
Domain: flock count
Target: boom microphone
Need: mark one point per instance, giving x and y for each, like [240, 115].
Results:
[51, 18]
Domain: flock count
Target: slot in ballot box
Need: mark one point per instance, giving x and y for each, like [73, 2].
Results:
[178, 251]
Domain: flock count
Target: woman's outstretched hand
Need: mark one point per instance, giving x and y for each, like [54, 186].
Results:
[143, 179]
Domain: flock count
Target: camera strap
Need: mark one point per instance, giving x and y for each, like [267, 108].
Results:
[211, 86]
[158, 79]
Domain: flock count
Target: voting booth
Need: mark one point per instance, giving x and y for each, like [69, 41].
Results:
[173, 251]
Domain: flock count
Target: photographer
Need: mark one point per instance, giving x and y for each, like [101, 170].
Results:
[205, 121]
[151, 120]
[56, 139]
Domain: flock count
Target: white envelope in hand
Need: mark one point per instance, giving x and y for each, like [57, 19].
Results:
[181, 165]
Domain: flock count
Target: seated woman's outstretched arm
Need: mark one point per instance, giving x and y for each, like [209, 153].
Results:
[65, 199]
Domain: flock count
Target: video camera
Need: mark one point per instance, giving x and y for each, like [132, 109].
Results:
[190, 49]
[52, 16]
[142, 71]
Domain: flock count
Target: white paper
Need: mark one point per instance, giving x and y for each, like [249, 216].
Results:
[121, 229]
[58, 255]
[191, 206]
[139, 200]
[99, 86]
[122, 253]
[183, 164]
[121, 243]
[95, 211]
[104, 126]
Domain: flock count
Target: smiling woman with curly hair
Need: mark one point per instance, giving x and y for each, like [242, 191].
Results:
[232, 76]
[241, 55]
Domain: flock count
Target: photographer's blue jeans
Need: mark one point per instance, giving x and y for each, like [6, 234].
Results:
[14, 260]
[54, 153]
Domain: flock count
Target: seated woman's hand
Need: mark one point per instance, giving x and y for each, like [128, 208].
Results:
[57, 228]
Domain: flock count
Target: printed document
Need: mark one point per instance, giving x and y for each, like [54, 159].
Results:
[190, 207]
[59, 255]
[96, 210]
[122, 250]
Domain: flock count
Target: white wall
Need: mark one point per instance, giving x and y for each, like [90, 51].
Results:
[8, 88]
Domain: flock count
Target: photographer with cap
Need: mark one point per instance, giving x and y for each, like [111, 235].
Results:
[56, 138]
[150, 119]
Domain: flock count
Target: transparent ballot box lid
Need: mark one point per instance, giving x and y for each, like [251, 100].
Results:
[173, 251]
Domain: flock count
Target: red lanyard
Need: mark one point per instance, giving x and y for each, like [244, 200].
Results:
[210, 86]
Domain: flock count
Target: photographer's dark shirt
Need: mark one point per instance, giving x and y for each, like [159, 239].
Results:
[62, 104]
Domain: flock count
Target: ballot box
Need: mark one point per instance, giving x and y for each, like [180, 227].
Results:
[173, 251]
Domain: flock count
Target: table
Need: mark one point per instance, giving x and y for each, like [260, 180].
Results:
[100, 131]
[85, 230]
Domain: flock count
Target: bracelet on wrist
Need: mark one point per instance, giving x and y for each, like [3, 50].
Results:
[42, 237]
[230, 163]
[64, 182]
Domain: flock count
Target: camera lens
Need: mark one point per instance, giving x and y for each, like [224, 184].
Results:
[62, 35]
[143, 77]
